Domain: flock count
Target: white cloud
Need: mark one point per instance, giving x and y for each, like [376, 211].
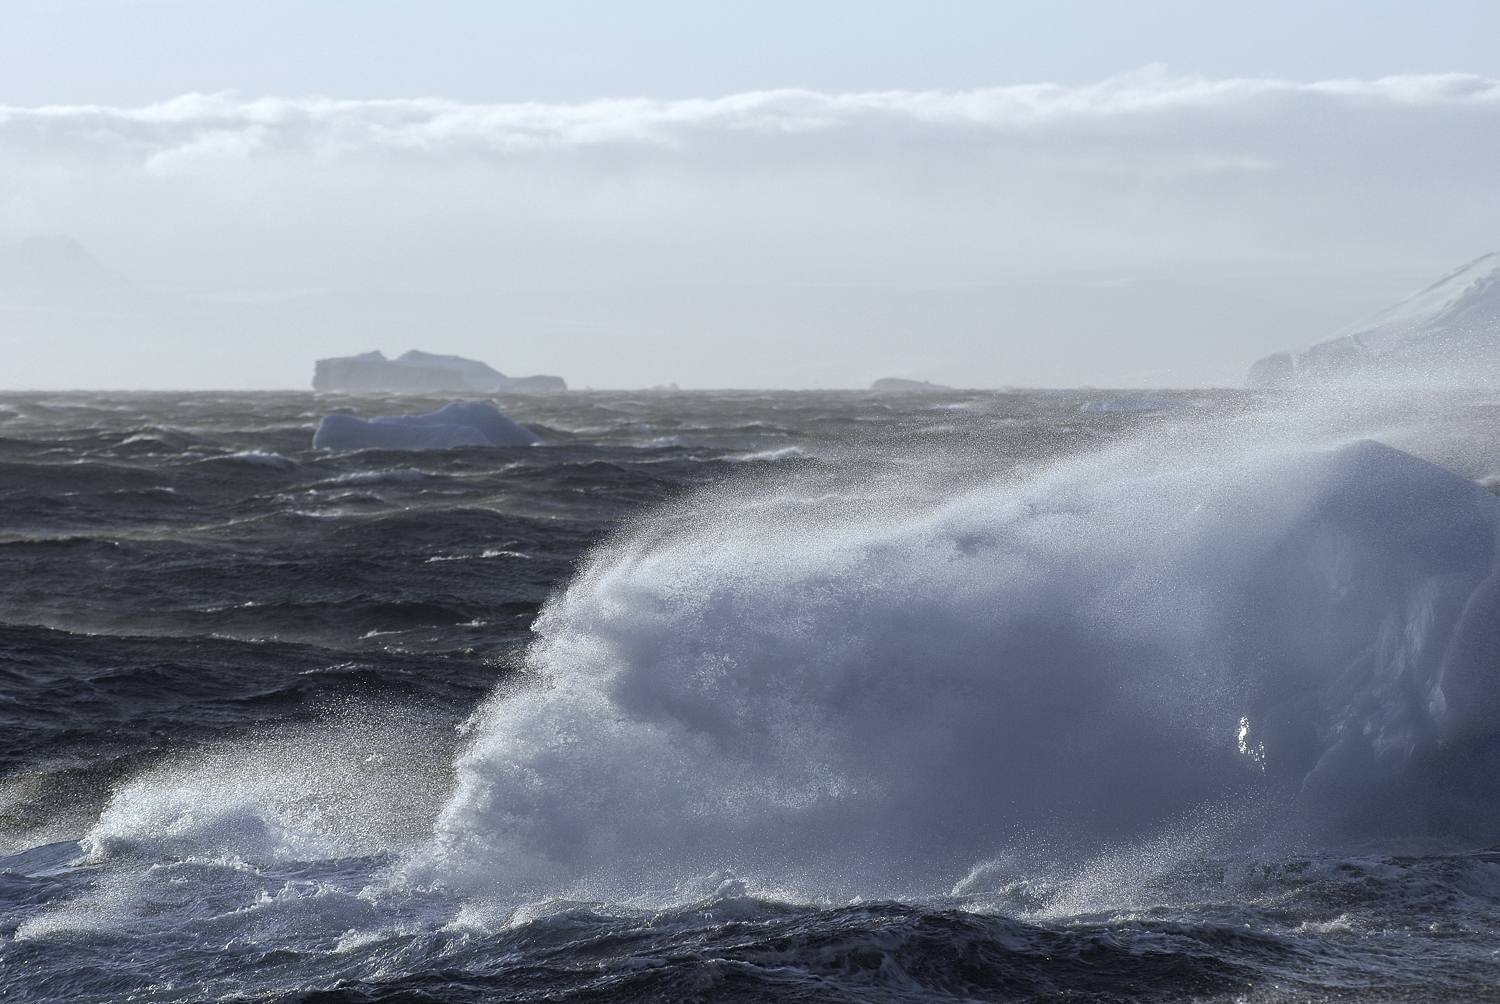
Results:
[1149, 104]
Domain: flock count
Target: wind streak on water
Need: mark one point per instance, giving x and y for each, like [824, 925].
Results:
[852, 697]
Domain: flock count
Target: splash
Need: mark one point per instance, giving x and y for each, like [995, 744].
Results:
[837, 688]
[1144, 698]
[361, 781]
[876, 679]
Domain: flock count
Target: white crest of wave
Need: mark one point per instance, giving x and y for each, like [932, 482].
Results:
[853, 688]
[359, 781]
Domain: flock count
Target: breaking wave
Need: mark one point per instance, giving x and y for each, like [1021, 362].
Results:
[822, 685]
[829, 693]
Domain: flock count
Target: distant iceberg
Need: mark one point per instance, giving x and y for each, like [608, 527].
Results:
[463, 423]
[417, 372]
[1448, 334]
[901, 385]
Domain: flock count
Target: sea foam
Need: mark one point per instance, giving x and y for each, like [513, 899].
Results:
[798, 683]
[833, 684]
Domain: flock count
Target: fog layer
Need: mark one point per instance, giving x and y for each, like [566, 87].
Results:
[1150, 229]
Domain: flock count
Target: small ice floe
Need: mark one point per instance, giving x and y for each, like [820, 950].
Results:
[462, 423]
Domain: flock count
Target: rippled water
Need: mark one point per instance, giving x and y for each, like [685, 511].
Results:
[248, 753]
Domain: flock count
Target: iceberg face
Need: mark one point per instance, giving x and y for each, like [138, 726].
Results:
[1449, 333]
[463, 423]
[416, 372]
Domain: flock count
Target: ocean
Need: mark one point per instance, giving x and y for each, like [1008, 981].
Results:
[814, 696]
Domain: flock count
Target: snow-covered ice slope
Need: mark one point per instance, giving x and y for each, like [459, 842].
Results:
[1449, 333]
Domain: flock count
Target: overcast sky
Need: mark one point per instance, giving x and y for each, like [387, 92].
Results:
[737, 194]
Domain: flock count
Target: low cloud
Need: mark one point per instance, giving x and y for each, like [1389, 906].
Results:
[1302, 196]
[1150, 106]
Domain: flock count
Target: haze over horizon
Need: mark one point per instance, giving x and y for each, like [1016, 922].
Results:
[805, 197]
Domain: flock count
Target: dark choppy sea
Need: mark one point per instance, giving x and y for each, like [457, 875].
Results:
[742, 696]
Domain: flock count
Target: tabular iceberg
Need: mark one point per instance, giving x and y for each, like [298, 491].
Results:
[901, 385]
[417, 372]
[463, 423]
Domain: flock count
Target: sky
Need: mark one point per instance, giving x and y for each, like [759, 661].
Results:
[734, 194]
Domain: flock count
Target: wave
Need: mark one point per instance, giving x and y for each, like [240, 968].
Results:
[254, 458]
[770, 455]
[382, 476]
[836, 698]
[1199, 714]
[487, 554]
[361, 781]
[827, 685]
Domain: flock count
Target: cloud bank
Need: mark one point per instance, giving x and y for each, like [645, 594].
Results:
[1149, 104]
[1149, 174]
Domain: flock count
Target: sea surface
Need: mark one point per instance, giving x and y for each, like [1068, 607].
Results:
[1073, 695]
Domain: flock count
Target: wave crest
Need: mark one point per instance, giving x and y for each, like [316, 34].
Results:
[846, 698]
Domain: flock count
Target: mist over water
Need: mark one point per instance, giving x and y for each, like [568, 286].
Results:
[1008, 672]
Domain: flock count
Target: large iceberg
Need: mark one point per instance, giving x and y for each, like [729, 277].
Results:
[463, 423]
[417, 372]
[1449, 333]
